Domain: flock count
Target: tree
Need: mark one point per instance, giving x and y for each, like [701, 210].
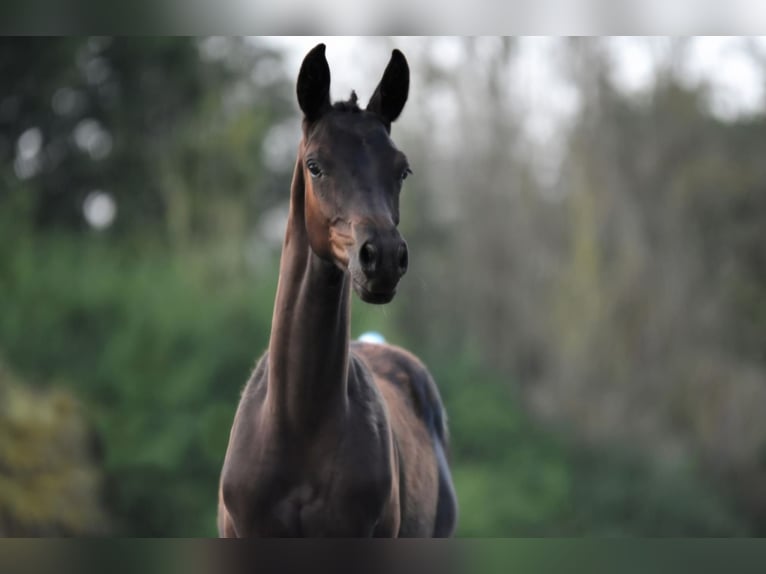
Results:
[161, 129]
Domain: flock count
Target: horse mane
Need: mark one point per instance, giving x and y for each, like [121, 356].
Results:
[349, 105]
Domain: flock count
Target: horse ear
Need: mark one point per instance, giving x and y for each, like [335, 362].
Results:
[391, 94]
[313, 86]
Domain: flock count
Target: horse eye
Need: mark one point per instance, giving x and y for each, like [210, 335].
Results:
[313, 168]
[407, 171]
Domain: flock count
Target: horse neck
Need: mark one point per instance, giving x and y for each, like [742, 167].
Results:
[308, 348]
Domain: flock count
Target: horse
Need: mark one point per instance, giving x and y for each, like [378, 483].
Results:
[334, 437]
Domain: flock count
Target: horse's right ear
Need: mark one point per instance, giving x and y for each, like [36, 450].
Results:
[314, 84]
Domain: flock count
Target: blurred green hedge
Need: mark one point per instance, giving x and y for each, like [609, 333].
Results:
[159, 345]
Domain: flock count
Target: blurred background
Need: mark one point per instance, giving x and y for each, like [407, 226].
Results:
[587, 228]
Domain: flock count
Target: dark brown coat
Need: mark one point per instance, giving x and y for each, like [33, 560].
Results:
[334, 438]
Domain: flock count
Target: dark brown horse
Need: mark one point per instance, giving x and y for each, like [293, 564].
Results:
[334, 438]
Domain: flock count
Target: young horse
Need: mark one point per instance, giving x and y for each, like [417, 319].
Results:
[333, 438]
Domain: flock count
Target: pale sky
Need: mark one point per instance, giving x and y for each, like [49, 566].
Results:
[544, 98]
[738, 83]
[541, 96]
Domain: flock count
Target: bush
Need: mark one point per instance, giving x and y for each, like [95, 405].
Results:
[159, 349]
[51, 480]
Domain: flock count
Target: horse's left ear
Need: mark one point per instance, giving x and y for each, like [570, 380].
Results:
[391, 94]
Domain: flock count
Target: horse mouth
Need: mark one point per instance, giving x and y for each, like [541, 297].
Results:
[374, 297]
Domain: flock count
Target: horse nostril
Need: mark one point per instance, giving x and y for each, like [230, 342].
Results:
[403, 259]
[368, 258]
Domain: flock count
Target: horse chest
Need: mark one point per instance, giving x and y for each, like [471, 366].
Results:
[312, 491]
[310, 504]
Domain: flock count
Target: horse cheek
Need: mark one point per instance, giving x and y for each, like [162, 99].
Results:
[317, 226]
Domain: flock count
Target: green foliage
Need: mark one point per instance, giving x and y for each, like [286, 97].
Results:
[160, 345]
[516, 479]
[159, 348]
